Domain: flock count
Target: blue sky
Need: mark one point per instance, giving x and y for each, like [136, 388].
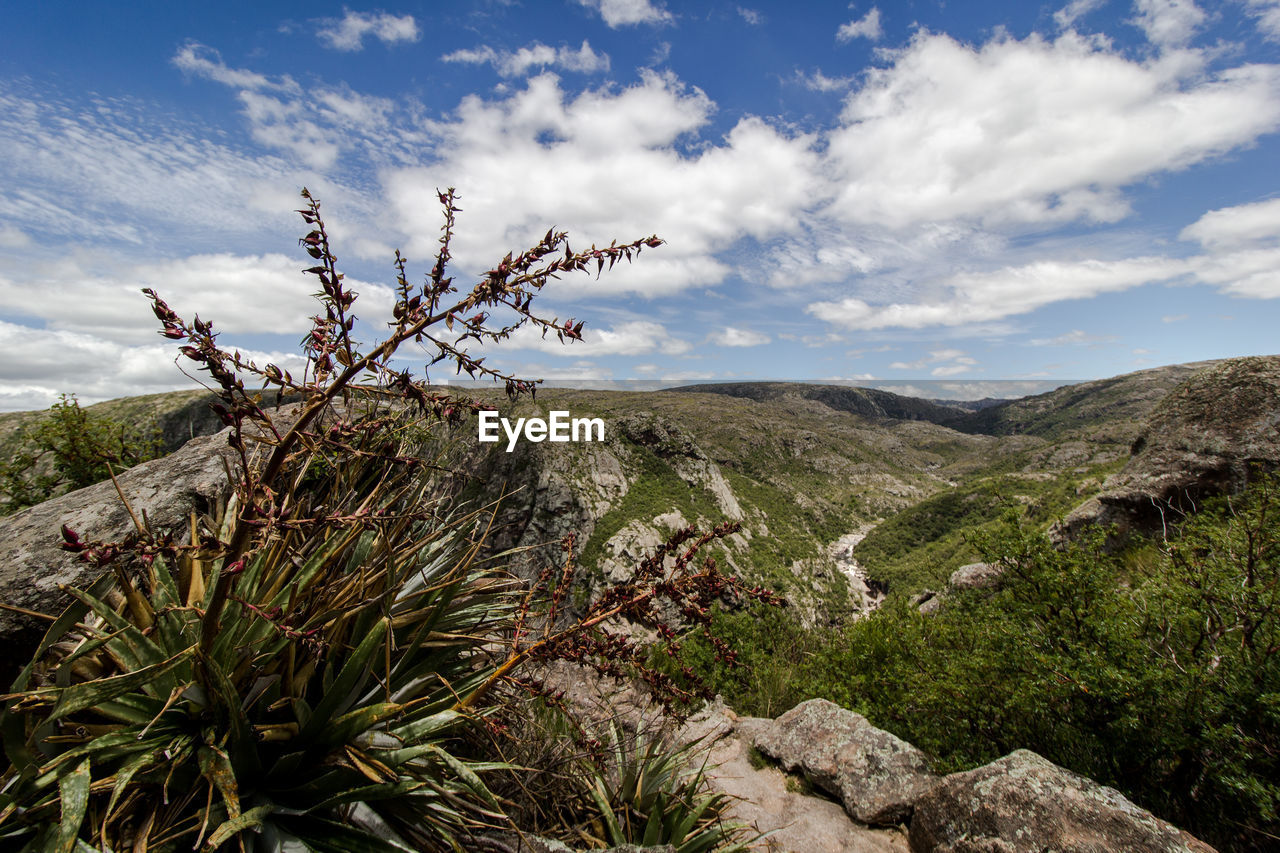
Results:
[915, 190]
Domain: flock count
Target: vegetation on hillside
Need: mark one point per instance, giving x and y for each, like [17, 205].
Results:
[68, 448]
[1156, 670]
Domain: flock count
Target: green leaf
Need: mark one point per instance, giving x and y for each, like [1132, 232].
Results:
[73, 790]
[354, 671]
[231, 826]
[78, 697]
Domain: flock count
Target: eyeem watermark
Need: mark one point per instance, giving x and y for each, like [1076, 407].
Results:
[560, 427]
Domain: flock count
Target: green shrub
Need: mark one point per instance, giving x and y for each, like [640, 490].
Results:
[69, 449]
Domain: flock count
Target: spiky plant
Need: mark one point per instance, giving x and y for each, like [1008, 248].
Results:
[650, 793]
[322, 712]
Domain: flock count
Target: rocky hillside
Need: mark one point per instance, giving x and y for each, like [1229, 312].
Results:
[1211, 436]
[841, 492]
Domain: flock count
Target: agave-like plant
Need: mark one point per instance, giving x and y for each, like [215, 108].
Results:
[649, 793]
[321, 714]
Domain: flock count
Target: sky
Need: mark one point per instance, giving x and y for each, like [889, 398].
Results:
[958, 190]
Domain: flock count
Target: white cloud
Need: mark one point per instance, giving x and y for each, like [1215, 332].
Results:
[348, 33]
[620, 13]
[536, 55]
[202, 61]
[109, 171]
[751, 16]
[1242, 249]
[819, 82]
[635, 337]
[1075, 337]
[1169, 23]
[607, 164]
[55, 362]
[317, 126]
[1074, 11]
[1033, 131]
[13, 238]
[1251, 272]
[946, 362]
[1268, 14]
[868, 26]
[1236, 226]
[733, 337]
[980, 297]
[240, 294]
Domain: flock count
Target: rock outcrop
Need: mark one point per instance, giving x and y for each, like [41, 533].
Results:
[769, 801]
[1023, 803]
[1208, 437]
[876, 775]
[33, 566]
[975, 576]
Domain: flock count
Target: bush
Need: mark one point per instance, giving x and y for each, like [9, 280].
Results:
[299, 673]
[1162, 684]
[69, 449]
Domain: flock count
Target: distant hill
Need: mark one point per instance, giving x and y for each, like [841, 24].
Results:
[802, 466]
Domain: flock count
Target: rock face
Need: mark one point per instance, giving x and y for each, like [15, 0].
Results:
[32, 565]
[1023, 802]
[1208, 437]
[877, 776]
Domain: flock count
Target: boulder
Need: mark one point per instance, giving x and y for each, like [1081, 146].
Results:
[975, 576]
[876, 775]
[1023, 802]
[33, 566]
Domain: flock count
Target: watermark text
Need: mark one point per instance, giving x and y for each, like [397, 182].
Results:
[558, 427]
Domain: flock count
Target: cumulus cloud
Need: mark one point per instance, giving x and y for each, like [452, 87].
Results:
[981, 297]
[1242, 249]
[1169, 23]
[240, 294]
[348, 32]
[634, 337]
[536, 55]
[1232, 227]
[621, 13]
[608, 164]
[734, 337]
[57, 362]
[868, 27]
[751, 16]
[1032, 131]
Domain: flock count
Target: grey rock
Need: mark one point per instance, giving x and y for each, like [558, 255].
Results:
[32, 564]
[1208, 437]
[975, 576]
[1023, 803]
[876, 775]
